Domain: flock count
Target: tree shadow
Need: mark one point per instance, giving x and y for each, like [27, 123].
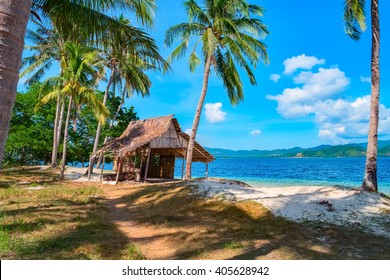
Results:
[199, 228]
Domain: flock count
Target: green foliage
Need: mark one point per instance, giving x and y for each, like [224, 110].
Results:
[31, 131]
[351, 150]
[82, 132]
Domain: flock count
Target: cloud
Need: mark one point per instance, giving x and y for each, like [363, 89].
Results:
[316, 86]
[255, 132]
[365, 79]
[188, 131]
[301, 62]
[214, 113]
[274, 77]
[339, 120]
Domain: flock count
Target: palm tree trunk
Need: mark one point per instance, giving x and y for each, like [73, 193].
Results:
[63, 163]
[99, 127]
[59, 129]
[56, 122]
[13, 22]
[198, 112]
[112, 124]
[370, 175]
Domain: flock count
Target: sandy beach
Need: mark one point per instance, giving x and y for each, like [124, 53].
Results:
[336, 205]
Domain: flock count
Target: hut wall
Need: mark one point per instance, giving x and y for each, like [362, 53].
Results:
[169, 139]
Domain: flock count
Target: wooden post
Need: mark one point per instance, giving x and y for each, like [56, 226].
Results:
[147, 164]
[101, 171]
[207, 169]
[119, 170]
[182, 169]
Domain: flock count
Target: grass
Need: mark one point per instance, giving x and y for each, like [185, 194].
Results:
[59, 221]
[64, 220]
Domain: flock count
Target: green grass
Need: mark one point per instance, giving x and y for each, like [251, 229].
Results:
[233, 245]
[134, 252]
[64, 220]
[60, 221]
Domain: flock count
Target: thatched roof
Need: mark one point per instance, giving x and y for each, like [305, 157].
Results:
[140, 133]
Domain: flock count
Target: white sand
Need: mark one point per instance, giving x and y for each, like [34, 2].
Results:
[336, 205]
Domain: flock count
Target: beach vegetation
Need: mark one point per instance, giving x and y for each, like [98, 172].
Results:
[128, 64]
[225, 36]
[79, 21]
[30, 136]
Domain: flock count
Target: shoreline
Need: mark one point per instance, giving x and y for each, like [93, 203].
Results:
[338, 205]
[331, 204]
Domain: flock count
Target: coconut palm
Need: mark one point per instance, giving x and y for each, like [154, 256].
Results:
[127, 64]
[82, 70]
[48, 48]
[354, 17]
[229, 36]
[78, 19]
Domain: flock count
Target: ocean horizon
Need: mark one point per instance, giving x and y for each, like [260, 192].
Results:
[274, 172]
[283, 172]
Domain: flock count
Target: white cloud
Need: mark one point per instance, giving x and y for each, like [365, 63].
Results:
[301, 62]
[214, 113]
[274, 77]
[338, 120]
[316, 86]
[365, 79]
[255, 132]
[188, 131]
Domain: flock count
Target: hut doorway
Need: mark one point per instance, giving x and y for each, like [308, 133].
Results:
[162, 164]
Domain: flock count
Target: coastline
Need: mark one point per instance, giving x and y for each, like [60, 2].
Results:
[338, 205]
[332, 204]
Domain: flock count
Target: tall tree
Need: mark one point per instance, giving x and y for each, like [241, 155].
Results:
[355, 24]
[127, 64]
[81, 72]
[77, 18]
[48, 47]
[229, 34]
[14, 15]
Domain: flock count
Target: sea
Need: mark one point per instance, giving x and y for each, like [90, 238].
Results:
[279, 172]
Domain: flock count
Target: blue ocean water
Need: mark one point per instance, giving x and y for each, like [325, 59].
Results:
[293, 171]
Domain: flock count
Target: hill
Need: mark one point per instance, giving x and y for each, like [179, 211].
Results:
[349, 150]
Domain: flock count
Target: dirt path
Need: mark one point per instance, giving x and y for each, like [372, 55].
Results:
[155, 242]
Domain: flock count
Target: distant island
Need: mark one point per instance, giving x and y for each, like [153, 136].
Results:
[349, 150]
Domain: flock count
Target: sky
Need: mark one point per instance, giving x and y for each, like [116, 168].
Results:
[315, 89]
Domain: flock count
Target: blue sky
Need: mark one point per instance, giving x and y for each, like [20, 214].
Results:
[315, 90]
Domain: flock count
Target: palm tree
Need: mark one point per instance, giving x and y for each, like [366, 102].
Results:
[127, 63]
[354, 17]
[81, 72]
[48, 48]
[228, 34]
[12, 32]
[78, 19]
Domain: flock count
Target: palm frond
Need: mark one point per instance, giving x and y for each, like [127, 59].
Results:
[179, 51]
[193, 61]
[354, 18]
[196, 14]
[182, 32]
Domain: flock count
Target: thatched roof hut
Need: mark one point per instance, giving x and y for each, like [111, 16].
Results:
[156, 142]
